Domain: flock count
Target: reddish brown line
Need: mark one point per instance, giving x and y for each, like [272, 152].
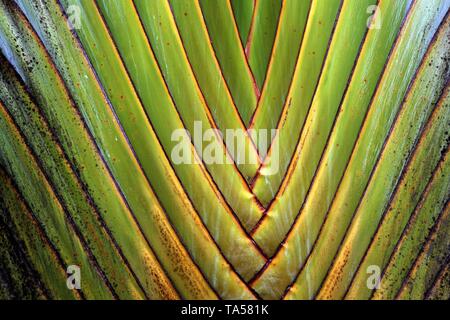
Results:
[41, 231]
[323, 152]
[209, 115]
[256, 90]
[171, 165]
[414, 214]
[271, 203]
[18, 248]
[401, 178]
[384, 144]
[139, 162]
[246, 48]
[212, 181]
[68, 217]
[234, 109]
[95, 147]
[309, 107]
[427, 242]
[440, 275]
[258, 108]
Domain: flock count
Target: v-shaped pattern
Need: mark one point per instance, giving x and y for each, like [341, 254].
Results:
[313, 70]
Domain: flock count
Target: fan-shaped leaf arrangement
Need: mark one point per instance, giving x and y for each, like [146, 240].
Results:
[347, 198]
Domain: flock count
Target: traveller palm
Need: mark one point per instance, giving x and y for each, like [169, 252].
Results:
[92, 92]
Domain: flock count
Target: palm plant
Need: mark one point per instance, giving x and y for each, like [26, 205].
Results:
[91, 93]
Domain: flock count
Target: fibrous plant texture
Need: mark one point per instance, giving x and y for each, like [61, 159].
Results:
[224, 149]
